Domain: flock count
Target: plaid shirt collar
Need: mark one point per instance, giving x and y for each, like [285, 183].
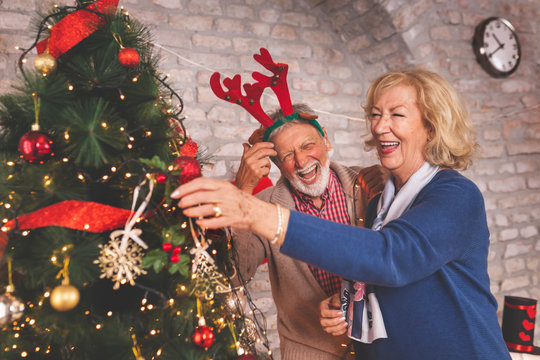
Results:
[333, 192]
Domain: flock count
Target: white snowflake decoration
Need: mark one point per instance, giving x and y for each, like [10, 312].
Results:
[120, 265]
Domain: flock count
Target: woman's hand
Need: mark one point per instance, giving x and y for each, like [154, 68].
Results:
[218, 203]
[332, 319]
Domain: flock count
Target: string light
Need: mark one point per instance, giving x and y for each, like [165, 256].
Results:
[70, 87]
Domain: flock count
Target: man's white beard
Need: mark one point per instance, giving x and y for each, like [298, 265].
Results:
[317, 188]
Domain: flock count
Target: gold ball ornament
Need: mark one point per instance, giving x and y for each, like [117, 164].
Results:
[64, 297]
[45, 63]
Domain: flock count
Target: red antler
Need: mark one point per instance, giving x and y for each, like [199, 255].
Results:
[278, 82]
[252, 100]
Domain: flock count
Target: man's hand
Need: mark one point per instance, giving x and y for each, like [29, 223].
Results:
[332, 319]
[372, 180]
[254, 165]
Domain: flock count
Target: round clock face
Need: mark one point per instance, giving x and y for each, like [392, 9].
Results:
[497, 47]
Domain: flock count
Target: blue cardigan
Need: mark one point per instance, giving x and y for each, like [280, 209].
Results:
[429, 268]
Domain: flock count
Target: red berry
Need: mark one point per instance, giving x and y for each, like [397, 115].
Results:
[161, 178]
[175, 258]
[166, 246]
[177, 250]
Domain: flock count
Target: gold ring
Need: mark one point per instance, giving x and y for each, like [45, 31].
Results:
[217, 211]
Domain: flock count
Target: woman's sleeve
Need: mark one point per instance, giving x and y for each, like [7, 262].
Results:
[446, 221]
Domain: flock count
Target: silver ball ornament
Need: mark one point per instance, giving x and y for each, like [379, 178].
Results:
[11, 309]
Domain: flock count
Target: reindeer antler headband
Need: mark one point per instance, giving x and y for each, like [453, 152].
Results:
[252, 100]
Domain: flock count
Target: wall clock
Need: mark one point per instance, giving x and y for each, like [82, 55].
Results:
[496, 47]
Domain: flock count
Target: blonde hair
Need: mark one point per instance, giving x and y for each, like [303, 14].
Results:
[452, 141]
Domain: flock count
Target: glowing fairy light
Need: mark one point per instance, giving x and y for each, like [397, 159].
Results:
[65, 160]
[113, 169]
[122, 97]
[98, 326]
[25, 233]
[10, 163]
[54, 258]
[66, 135]
[70, 87]
[104, 125]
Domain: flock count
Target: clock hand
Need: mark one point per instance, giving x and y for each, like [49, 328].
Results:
[497, 40]
[501, 46]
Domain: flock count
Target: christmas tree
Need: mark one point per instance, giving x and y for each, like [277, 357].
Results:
[97, 262]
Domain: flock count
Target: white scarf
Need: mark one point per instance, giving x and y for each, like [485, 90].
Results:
[367, 326]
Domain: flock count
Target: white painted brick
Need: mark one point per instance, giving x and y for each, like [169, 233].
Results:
[514, 265]
[525, 166]
[501, 220]
[205, 7]
[515, 283]
[340, 72]
[516, 86]
[190, 22]
[529, 231]
[269, 15]
[510, 184]
[214, 170]
[258, 29]
[229, 150]
[303, 84]
[249, 45]
[315, 68]
[518, 248]
[283, 32]
[13, 20]
[318, 37]
[299, 19]
[533, 182]
[328, 87]
[229, 26]
[518, 218]
[240, 11]
[524, 148]
[169, 4]
[508, 234]
[210, 41]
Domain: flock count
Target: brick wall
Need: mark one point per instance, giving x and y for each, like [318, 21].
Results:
[335, 48]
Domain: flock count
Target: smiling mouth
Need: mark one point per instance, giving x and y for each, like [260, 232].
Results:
[309, 173]
[388, 147]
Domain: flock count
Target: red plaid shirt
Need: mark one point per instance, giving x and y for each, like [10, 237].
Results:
[334, 208]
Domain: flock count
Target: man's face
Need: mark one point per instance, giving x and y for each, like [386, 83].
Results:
[302, 157]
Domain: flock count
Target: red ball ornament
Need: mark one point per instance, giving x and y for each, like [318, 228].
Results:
[189, 148]
[175, 258]
[203, 336]
[166, 246]
[128, 57]
[161, 178]
[247, 357]
[189, 169]
[35, 146]
[177, 250]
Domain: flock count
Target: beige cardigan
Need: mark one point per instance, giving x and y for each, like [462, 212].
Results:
[295, 291]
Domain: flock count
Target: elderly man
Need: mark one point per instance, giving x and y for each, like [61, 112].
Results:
[312, 184]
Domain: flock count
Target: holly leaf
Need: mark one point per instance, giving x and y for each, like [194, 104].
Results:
[155, 259]
[172, 235]
[181, 267]
[155, 163]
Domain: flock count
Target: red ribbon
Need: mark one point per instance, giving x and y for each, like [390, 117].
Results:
[520, 307]
[78, 215]
[519, 347]
[75, 27]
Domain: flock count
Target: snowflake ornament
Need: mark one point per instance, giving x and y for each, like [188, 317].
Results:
[120, 265]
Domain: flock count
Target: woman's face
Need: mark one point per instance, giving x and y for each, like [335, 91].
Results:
[399, 132]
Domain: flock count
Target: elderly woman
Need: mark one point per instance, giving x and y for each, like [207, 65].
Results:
[426, 254]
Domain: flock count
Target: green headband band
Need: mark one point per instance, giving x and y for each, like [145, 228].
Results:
[285, 120]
